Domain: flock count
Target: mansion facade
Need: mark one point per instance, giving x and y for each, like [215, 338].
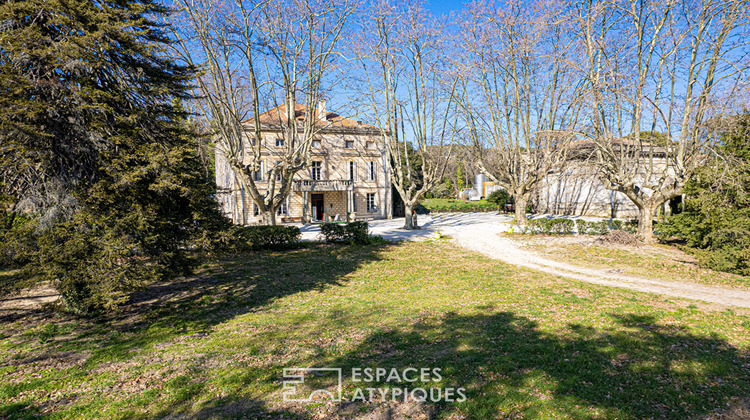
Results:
[348, 179]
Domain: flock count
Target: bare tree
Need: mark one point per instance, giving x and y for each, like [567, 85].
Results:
[658, 67]
[520, 95]
[262, 53]
[409, 92]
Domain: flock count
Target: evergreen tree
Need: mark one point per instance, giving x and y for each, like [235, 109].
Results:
[449, 187]
[460, 183]
[94, 147]
[716, 220]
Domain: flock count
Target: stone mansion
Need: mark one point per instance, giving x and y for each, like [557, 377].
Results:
[349, 173]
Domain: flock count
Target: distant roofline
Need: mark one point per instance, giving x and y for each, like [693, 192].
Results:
[333, 123]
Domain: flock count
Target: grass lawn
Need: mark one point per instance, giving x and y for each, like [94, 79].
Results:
[457, 205]
[523, 344]
[654, 261]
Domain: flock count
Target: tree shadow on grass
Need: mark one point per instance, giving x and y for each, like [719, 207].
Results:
[188, 308]
[191, 307]
[639, 369]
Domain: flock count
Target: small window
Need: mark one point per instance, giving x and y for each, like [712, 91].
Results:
[278, 173]
[315, 171]
[352, 171]
[372, 174]
[369, 145]
[371, 205]
[316, 143]
[258, 175]
[279, 142]
[256, 210]
[354, 202]
[349, 144]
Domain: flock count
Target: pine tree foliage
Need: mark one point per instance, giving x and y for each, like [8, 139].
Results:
[716, 218]
[94, 147]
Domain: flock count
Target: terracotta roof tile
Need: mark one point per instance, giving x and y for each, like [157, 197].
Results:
[275, 116]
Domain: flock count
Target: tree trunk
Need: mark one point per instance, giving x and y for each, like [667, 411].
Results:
[269, 217]
[646, 224]
[521, 211]
[409, 217]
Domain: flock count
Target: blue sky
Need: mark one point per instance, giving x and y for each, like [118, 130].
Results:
[440, 7]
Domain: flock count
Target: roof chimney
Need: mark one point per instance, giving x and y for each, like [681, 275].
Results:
[322, 110]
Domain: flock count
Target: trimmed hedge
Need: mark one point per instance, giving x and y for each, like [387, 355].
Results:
[268, 237]
[353, 232]
[551, 226]
[441, 205]
[582, 227]
[605, 226]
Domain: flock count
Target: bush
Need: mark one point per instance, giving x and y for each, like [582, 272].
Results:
[440, 205]
[603, 227]
[729, 251]
[17, 241]
[631, 226]
[500, 198]
[268, 237]
[584, 227]
[551, 226]
[353, 232]
[421, 210]
[94, 270]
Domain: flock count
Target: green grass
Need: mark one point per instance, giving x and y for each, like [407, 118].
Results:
[457, 205]
[523, 344]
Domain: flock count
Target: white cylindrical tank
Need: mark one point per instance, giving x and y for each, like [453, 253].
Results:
[479, 181]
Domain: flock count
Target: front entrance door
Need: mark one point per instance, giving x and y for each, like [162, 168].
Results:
[316, 201]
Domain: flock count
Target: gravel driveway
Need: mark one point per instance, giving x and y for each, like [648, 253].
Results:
[479, 232]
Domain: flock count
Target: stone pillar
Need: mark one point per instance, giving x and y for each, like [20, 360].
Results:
[305, 203]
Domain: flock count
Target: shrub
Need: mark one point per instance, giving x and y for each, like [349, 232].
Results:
[499, 197]
[353, 232]
[729, 251]
[584, 227]
[17, 241]
[551, 226]
[458, 206]
[268, 237]
[615, 224]
[602, 227]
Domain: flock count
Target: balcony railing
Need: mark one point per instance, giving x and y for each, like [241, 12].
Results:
[323, 185]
